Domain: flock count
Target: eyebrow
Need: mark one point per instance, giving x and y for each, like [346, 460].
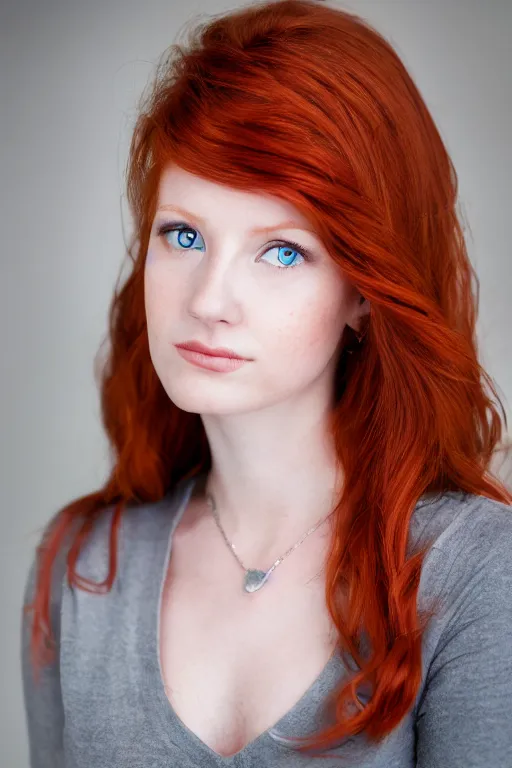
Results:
[289, 224]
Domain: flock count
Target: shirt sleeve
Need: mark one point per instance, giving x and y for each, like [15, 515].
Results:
[464, 719]
[43, 701]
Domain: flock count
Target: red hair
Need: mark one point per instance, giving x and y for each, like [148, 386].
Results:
[309, 103]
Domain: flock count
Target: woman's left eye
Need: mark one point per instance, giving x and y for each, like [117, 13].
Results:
[187, 236]
[287, 253]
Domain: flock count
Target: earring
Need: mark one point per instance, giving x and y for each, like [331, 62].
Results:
[359, 336]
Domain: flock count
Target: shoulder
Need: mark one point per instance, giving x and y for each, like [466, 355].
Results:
[468, 566]
[457, 521]
[143, 529]
[461, 711]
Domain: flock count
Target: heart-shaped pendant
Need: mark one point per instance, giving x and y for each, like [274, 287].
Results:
[255, 579]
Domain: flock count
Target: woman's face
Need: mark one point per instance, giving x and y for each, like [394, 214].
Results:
[228, 276]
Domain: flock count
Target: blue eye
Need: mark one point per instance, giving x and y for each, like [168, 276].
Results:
[287, 253]
[187, 236]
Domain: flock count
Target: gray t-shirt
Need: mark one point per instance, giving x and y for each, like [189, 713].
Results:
[103, 704]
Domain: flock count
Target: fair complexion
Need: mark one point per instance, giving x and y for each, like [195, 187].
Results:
[230, 280]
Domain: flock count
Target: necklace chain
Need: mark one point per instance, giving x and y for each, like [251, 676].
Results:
[255, 578]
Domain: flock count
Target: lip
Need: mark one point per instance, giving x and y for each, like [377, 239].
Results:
[196, 346]
[209, 362]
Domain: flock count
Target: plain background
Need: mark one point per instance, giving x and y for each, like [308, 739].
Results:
[71, 76]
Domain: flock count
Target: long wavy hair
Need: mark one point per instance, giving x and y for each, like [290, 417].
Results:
[311, 104]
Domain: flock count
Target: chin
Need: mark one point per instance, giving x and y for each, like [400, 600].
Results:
[199, 397]
[204, 407]
[212, 402]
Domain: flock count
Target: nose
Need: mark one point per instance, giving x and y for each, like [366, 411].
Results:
[214, 286]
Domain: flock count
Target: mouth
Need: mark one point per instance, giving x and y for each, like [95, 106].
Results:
[218, 363]
[196, 346]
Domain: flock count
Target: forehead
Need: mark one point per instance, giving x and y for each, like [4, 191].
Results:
[219, 202]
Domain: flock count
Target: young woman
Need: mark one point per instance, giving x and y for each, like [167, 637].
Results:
[301, 552]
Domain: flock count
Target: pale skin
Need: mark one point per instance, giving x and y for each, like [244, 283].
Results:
[273, 468]
[274, 472]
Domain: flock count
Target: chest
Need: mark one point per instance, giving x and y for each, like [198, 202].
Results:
[233, 663]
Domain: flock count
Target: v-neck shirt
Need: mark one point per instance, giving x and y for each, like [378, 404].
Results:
[103, 702]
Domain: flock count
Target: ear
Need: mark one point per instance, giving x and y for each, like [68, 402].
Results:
[362, 309]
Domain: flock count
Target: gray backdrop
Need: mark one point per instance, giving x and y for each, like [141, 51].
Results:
[71, 72]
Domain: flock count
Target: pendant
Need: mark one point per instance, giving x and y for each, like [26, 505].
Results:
[255, 579]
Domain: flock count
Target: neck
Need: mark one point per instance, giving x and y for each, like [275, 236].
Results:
[269, 495]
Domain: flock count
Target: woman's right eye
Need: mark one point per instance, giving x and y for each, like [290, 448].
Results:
[184, 237]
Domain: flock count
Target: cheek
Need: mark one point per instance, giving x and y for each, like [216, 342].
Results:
[324, 331]
[159, 301]
[308, 336]
[295, 354]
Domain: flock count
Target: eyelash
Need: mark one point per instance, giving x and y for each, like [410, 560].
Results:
[177, 225]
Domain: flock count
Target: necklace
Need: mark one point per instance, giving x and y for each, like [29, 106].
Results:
[254, 578]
